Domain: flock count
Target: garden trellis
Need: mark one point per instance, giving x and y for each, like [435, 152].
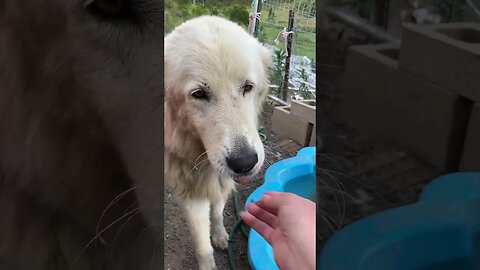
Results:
[274, 18]
[273, 29]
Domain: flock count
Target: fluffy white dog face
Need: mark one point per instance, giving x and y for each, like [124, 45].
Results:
[216, 75]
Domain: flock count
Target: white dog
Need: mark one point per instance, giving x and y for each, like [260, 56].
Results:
[215, 84]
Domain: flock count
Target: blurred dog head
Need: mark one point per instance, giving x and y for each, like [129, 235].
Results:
[81, 74]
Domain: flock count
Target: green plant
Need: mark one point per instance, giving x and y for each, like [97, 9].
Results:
[303, 88]
[197, 10]
[450, 10]
[271, 14]
[278, 69]
[262, 36]
[178, 11]
[313, 10]
[214, 11]
[238, 14]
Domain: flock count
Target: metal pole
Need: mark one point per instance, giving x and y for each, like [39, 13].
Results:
[289, 53]
[370, 30]
[277, 100]
[254, 22]
[257, 21]
[381, 12]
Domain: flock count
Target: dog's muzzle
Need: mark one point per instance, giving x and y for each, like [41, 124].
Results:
[243, 161]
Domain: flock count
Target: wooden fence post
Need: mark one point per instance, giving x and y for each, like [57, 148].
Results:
[289, 53]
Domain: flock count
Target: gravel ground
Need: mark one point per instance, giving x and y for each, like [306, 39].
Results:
[179, 252]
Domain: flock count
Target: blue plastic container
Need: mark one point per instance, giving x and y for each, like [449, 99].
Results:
[441, 231]
[295, 175]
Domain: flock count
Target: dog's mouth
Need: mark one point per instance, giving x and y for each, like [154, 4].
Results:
[241, 166]
[237, 178]
[242, 180]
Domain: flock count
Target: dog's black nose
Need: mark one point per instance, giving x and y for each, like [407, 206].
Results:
[242, 162]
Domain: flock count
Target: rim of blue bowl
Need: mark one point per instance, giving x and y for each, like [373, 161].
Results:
[275, 180]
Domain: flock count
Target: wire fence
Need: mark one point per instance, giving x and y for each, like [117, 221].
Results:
[274, 18]
[273, 29]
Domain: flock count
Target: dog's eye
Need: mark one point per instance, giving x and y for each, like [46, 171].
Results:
[199, 94]
[247, 88]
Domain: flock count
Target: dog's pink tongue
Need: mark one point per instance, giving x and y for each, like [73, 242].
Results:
[242, 180]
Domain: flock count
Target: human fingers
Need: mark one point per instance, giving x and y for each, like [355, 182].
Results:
[259, 226]
[263, 215]
[288, 196]
[271, 201]
[290, 199]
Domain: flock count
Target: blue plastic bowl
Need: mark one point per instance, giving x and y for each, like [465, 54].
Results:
[295, 175]
[441, 231]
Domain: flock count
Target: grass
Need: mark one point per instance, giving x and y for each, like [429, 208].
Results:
[179, 11]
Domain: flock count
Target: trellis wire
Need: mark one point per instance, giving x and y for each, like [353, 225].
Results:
[304, 23]
[274, 21]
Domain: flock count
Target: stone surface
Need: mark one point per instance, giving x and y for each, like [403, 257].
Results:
[381, 99]
[289, 126]
[395, 11]
[471, 151]
[446, 54]
[304, 109]
[313, 137]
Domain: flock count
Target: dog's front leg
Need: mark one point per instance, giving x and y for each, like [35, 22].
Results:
[219, 234]
[198, 219]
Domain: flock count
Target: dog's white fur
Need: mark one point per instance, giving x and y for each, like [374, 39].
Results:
[199, 134]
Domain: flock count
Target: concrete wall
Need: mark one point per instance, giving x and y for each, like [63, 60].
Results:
[382, 99]
[304, 109]
[471, 151]
[289, 126]
[445, 54]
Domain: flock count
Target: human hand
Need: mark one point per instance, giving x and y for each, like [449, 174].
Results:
[287, 222]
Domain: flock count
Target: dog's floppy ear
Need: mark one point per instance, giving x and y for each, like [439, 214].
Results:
[265, 56]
